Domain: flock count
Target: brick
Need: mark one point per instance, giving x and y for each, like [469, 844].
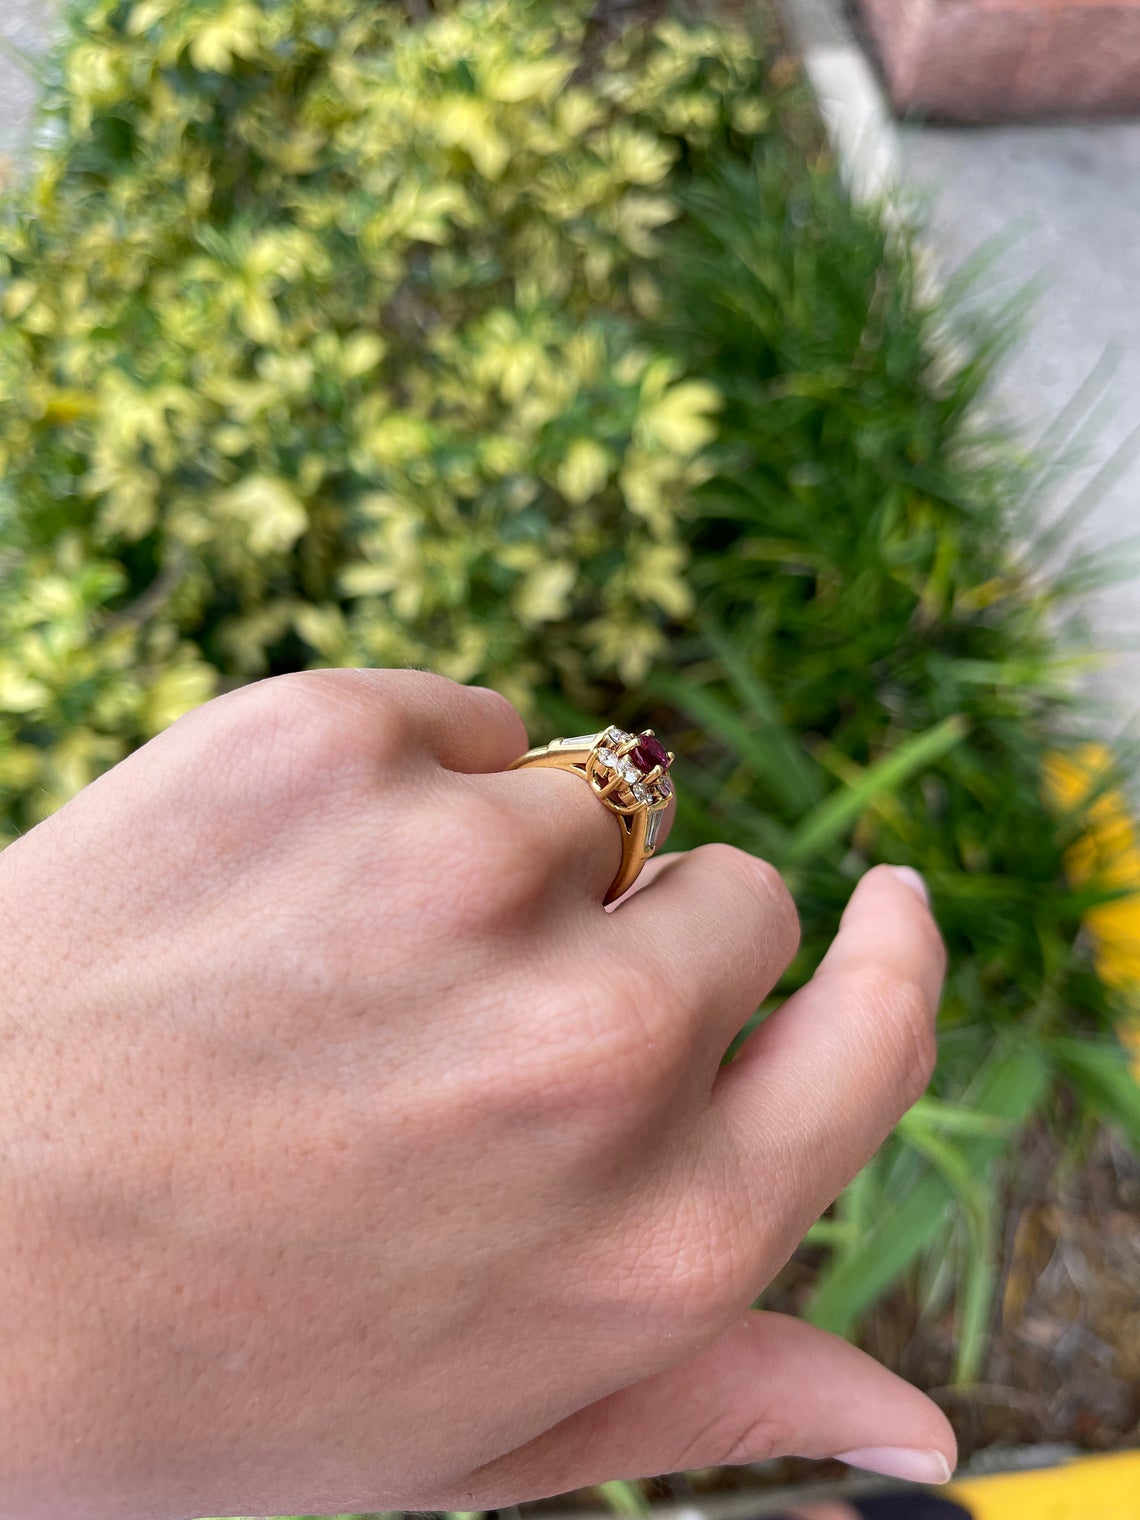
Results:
[1008, 60]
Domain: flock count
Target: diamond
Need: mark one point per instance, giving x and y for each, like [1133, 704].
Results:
[652, 829]
[641, 793]
[649, 753]
[665, 787]
[607, 756]
[583, 741]
[619, 736]
[629, 772]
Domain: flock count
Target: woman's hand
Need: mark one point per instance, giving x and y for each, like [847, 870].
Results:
[354, 1157]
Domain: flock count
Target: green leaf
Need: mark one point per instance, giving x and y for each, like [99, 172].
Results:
[1010, 1085]
[858, 1203]
[830, 1232]
[979, 1273]
[952, 1118]
[624, 1498]
[762, 753]
[978, 1276]
[840, 811]
[1101, 1074]
[951, 1161]
[777, 751]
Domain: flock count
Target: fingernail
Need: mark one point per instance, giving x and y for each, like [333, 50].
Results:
[915, 1465]
[914, 881]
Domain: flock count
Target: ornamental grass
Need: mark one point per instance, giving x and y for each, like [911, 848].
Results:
[543, 349]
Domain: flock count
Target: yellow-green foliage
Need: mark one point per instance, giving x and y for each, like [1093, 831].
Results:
[321, 347]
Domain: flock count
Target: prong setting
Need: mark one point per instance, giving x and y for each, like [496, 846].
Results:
[629, 772]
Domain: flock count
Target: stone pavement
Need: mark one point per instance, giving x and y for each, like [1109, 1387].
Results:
[1055, 205]
[1059, 206]
[22, 25]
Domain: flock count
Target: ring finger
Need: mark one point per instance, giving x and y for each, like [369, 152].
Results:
[576, 839]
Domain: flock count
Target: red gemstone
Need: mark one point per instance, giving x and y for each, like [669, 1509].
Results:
[648, 753]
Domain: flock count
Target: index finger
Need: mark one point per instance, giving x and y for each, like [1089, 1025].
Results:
[817, 1088]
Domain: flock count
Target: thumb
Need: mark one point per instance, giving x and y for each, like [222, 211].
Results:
[769, 1386]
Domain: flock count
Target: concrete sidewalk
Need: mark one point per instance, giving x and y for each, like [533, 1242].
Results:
[1059, 207]
[22, 26]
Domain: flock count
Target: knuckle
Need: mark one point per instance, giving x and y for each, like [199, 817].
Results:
[633, 1031]
[492, 882]
[711, 1287]
[733, 1437]
[703, 1270]
[920, 1060]
[282, 734]
[608, 1064]
[768, 892]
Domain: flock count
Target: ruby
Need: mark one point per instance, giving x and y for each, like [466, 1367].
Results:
[648, 753]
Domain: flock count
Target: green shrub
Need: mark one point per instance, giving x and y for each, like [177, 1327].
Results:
[877, 660]
[323, 347]
[560, 363]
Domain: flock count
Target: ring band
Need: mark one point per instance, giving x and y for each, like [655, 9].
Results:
[626, 772]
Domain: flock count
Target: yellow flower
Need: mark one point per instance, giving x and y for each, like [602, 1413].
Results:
[1110, 854]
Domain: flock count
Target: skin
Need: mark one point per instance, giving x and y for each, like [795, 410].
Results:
[356, 1158]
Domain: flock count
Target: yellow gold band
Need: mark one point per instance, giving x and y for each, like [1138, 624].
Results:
[627, 773]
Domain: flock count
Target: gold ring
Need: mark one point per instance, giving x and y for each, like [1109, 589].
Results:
[627, 773]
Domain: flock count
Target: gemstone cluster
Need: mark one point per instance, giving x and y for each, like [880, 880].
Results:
[633, 767]
[636, 765]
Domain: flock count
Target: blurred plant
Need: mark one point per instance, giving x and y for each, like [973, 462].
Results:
[560, 362]
[875, 655]
[1108, 852]
[323, 346]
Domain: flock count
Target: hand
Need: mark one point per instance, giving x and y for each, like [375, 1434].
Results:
[354, 1157]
